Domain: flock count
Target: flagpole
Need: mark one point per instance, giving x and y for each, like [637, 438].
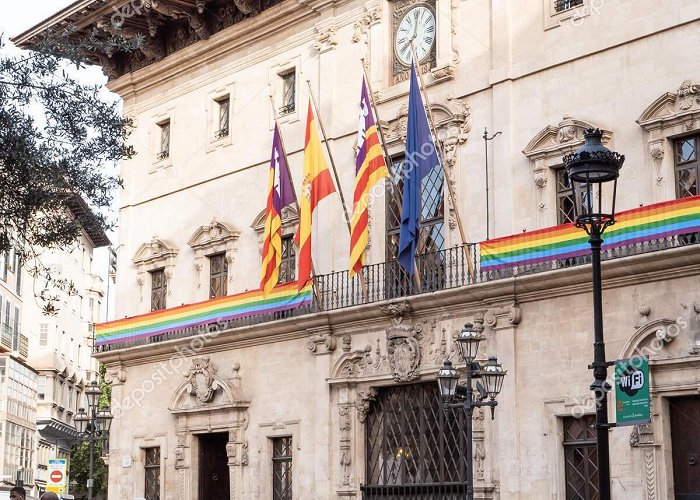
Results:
[337, 181]
[387, 160]
[296, 200]
[445, 172]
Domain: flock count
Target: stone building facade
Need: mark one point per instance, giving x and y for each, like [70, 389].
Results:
[339, 402]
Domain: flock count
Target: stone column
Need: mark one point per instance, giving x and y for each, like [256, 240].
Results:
[507, 459]
[119, 439]
[322, 345]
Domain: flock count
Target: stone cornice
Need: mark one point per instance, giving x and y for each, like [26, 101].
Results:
[617, 273]
[288, 14]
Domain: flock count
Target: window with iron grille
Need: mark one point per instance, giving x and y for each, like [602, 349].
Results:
[289, 81]
[565, 197]
[224, 106]
[158, 289]
[562, 5]
[152, 473]
[581, 458]
[218, 275]
[164, 151]
[288, 261]
[414, 446]
[687, 166]
[432, 211]
[282, 468]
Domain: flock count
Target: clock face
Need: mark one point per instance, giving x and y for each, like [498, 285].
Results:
[417, 25]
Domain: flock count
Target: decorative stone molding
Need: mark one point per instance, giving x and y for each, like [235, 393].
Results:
[115, 375]
[364, 401]
[326, 37]
[204, 389]
[642, 435]
[670, 115]
[372, 15]
[403, 352]
[651, 338]
[644, 311]
[201, 380]
[345, 445]
[550, 144]
[216, 237]
[496, 316]
[452, 119]
[396, 309]
[360, 363]
[156, 254]
[322, 342]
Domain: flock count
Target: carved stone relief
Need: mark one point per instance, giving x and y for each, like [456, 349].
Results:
[345, 447]
[325, 38]
[372, 15]
[322, 342]
[403, 352]
[365, 397]
[201, 380]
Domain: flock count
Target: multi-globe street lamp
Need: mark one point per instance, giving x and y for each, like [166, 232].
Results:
[456, 395]
[591, 169]
[93, 425]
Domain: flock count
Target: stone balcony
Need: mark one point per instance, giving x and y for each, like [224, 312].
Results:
[664, 227]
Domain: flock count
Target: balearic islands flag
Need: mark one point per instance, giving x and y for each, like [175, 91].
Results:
[280, 195]
[421, 158]
[316, 185]
[370, 168]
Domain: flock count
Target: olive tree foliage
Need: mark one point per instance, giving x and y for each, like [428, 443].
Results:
[59, 138]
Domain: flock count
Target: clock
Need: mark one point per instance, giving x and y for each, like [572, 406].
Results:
[417, 25]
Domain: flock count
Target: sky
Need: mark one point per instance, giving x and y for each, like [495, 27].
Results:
[17, 17]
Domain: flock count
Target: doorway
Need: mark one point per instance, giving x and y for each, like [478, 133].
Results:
[213, 467]
[685, 440]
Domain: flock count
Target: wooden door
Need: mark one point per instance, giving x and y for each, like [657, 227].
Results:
[213, 467]
[685, 440]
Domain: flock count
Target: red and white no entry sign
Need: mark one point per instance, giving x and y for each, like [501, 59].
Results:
[56, 476]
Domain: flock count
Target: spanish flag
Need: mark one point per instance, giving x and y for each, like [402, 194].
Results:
[316, 185]
[370, 168]
[279, 195]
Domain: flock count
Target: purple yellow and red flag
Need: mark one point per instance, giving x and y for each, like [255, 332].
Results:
[370, 168]
[280, 194]
[316, 185]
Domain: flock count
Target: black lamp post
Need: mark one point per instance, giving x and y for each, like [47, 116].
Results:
[455, 395]
[93, 425]
[590, 169]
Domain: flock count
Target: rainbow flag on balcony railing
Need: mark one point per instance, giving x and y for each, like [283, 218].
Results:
[222, 309]
[648, 223]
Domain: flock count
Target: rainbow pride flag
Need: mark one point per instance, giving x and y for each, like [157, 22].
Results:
[222, 309]
[669, 218]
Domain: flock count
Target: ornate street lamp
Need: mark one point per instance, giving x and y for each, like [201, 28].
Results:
[93, 425]
[590, 169]
[455, 395]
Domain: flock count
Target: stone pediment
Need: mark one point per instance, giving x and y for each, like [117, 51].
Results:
[453, 121]
[556, 141]
[672, 106]
[654, 339]
[155, 250]
[212, 234]
[204, 390]
[289, 216]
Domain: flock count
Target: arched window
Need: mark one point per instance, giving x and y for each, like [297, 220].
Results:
[415, 449]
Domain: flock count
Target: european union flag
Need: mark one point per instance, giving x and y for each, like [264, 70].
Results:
[421, 158]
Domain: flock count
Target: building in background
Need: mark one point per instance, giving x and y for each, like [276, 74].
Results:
[60, 345]
[17, 382]
[338, 400]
